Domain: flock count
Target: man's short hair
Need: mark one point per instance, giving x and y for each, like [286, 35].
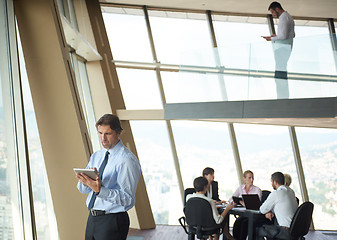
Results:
[246, 172]
[199, 184]
[207, 171]
[278, 177]
[287, 179]
[275, 5]
[112, 121]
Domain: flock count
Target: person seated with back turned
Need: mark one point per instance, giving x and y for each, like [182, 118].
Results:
[200, 185]
[240, 227]
[280, 203]
[212, 186]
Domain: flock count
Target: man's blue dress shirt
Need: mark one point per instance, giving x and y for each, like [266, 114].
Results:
[120, 179]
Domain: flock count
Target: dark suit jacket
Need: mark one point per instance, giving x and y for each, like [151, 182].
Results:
[215, 191]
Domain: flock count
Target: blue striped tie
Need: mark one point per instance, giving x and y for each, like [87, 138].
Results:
[101, 169]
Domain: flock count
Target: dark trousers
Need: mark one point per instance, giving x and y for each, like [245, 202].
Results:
[113, 226]
[272, 232]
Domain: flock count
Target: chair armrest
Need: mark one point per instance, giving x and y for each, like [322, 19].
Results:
[182, 222]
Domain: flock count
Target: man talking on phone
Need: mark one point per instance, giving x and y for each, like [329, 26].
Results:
[113, 191]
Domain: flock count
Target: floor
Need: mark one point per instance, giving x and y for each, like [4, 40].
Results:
[165, 232]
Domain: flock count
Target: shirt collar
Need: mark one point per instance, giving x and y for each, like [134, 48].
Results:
[282, 187]
[115, 148]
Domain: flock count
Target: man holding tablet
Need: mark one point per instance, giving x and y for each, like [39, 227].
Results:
[112, 192]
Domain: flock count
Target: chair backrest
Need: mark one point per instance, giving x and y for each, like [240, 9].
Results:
[186, 192]
[302, 219]
[198, 212]
[265, 194]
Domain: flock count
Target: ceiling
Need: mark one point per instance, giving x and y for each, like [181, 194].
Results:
[297, 8]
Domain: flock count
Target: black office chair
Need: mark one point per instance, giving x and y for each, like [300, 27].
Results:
[186, 192]
[265, 194]
[300, 224]
[199, 219]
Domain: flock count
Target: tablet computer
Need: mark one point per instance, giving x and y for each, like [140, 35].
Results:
[237, 199]
[89, 172]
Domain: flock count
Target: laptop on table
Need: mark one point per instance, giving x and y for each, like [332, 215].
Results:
[252, 201]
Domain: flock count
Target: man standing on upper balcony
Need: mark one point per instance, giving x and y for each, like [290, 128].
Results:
[282, 45]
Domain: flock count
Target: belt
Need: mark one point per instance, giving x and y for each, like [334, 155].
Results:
[96, 213]
[286, 228]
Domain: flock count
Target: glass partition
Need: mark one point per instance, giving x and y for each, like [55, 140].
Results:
[140, 89]
[310, 71]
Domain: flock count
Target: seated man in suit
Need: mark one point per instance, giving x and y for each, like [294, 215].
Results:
[282, 204]
[200, 185]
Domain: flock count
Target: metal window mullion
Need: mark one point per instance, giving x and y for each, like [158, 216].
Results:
[26, 192]
[299, 167]
[236, 153]
[162, 95]
[271, 24]
[298, 163]
[333, 39]
[221, 79]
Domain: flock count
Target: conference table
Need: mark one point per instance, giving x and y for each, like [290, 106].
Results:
[252, 216]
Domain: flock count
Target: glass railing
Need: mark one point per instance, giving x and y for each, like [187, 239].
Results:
[305, 68]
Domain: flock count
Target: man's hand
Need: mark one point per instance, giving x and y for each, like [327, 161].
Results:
[269, 215]
[95, 185]
[268, 38]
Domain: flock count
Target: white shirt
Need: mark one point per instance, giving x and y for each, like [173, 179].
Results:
[285, 28]
[217, 217]
[282, 203]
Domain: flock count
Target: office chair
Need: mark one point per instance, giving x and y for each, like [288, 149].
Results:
[300, 224]
[199, 219]
[265, 194]
[186, 192]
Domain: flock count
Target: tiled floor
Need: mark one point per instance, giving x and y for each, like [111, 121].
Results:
[165, 232]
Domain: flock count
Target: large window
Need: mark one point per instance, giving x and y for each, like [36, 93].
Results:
[318, 149]
[46, 226]
[270, 147]
[205, 144]
[156, 158]
[182, 38]
[127, 34]
[83, 88]
[246, 65]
